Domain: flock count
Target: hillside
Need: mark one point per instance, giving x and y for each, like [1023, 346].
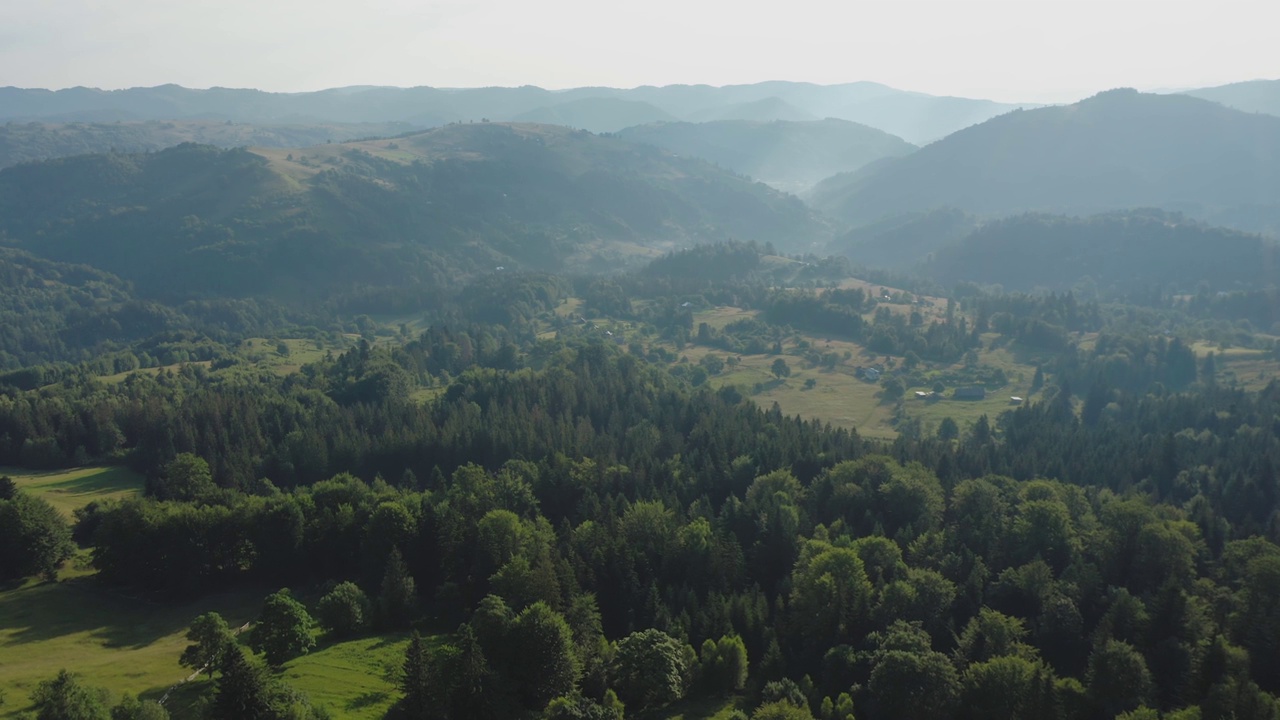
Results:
[1255, 96]
[903, 241]
[420, 211]
[920, 118]
[914, 116]
[1132, 252]
[787, 155]
[596, 114]
[1119, 149]
[765, 110]
[25, 142]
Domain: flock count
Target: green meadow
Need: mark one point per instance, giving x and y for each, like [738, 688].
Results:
[69, 490]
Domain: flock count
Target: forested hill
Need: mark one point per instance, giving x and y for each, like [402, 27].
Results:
[1126, 252]
[1119, 149]
[419, 211]
[1256, 96]
[27, 142]
[791, 156]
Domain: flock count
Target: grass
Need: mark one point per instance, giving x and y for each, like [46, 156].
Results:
[353, 679]
[1245, 367]
[69, 490]
[840, 398]
[128, 644]
[117, 642]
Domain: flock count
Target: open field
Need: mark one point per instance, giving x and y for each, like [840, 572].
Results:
[69, 490]
[129, 644]
[353, 679]
[1250, 369]
[840, 398]
[118, 642]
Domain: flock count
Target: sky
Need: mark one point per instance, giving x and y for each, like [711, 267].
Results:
[1019, 50]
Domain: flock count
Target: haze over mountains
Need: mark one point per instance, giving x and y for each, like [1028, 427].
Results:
[792, 156]
[485, 194]
[420, 211]
[1119, 149]
[915, 117]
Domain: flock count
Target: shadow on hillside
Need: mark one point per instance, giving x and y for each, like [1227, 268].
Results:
[116, 619]
[364, 700]
[107, 481]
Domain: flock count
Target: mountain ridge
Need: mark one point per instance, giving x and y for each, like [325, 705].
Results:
[1108, 152]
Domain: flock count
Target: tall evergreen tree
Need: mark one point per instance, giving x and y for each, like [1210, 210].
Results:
[398, 601]
[244, 691]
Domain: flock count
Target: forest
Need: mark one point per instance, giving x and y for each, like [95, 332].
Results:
[551, 521]
[421, 409]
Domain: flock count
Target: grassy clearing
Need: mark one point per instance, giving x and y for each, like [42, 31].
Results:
[840, 398]
[69, 490]
[121, 643]
[718, 317]
[1245, 367]
[353, 679]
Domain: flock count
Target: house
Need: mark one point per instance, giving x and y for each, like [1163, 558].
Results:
[921, 394]
[1015, 400]
[871, 374]
[970, 393]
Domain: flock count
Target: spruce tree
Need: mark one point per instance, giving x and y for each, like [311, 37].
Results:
[243, 690]
[415, 682]
[399, 598]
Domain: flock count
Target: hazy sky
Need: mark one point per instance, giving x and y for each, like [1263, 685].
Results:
[1032, 50]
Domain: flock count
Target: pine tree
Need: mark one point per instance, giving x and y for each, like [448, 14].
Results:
[415, 682]
[243, 690]
[399, 598]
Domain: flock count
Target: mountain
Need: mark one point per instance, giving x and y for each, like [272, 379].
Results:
[791, 156]
[1119, 149]
[903, 241]
[768, 109]
[1255, 96]
[421, 211]
[596, 114]
[25, 142]
[1127, 252]
[914, 116]
[921, 119]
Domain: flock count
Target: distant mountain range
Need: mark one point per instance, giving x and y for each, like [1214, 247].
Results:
[915, 117]
[420, 211]
[791, 156]
[1119, 149]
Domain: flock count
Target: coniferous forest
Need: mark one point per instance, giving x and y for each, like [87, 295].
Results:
[522, 422]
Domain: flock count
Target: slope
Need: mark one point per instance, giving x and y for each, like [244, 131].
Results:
[26, 142]
[1118, 149]
[596, 114]
[787, 155]
[1255, 96]
[765, 110]
[1125, 253]
[903, 241]
[421, 211]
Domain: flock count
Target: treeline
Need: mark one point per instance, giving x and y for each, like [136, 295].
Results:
[945, 580]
